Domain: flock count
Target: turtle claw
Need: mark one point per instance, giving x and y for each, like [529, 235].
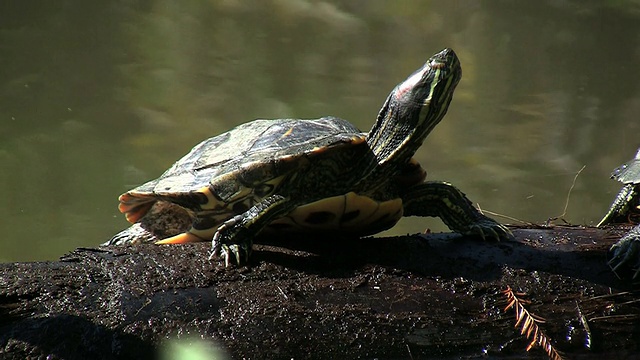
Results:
[231, 243]
[489, 229]
[477, 230]
[626, 252]
[238, 252]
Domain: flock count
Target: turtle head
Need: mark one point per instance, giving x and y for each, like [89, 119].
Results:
[414, 108]
[424, 97]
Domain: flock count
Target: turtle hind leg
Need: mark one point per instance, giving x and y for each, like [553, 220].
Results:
[202, 226]
[443, 200]
[134, 234]
[163, 220]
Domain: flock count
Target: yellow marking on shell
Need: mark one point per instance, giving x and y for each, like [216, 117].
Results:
[212, 202]
[392, 208]
[367, 211]
[288, 157]
[223, 211]
[134, 207]
[364, 204]
[287, 133]
[273, 182]
[207, 234]
[333, 205]
[354, 140]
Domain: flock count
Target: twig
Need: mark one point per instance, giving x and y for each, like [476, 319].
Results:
[506, 216]
[566, 203]
[616, 317]
[282, 292]
[585, 325]
[605, 296]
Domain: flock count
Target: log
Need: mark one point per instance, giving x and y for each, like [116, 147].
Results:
[423, 296]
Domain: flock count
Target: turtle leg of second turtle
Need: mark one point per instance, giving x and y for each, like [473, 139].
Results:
[619, 209]
[626, 252]
[443, 200]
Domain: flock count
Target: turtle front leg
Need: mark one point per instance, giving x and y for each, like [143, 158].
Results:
[619, 209]
[443, 200]
[234, 238]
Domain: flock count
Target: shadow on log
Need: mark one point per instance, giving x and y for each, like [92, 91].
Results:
[429, 296]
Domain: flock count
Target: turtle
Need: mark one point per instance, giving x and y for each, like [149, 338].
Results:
[316, 176]
[626, 252]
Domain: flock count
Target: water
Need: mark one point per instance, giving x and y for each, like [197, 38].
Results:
[99, 97]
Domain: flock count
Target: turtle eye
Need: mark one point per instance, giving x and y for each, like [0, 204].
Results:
[437, 65]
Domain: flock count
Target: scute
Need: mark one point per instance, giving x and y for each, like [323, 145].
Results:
[293, 134]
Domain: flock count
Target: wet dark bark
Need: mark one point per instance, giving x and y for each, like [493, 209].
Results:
[436, 296]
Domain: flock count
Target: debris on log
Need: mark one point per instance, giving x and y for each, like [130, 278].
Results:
[424, 296]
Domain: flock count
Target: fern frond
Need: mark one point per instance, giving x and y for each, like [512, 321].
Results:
[528, 323]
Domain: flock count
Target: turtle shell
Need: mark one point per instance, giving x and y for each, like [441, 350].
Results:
[228, 173]
[628, 173]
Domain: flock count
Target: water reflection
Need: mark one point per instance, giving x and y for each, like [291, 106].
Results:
[97, 98]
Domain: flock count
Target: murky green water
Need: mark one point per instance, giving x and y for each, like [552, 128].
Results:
[97, 97]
